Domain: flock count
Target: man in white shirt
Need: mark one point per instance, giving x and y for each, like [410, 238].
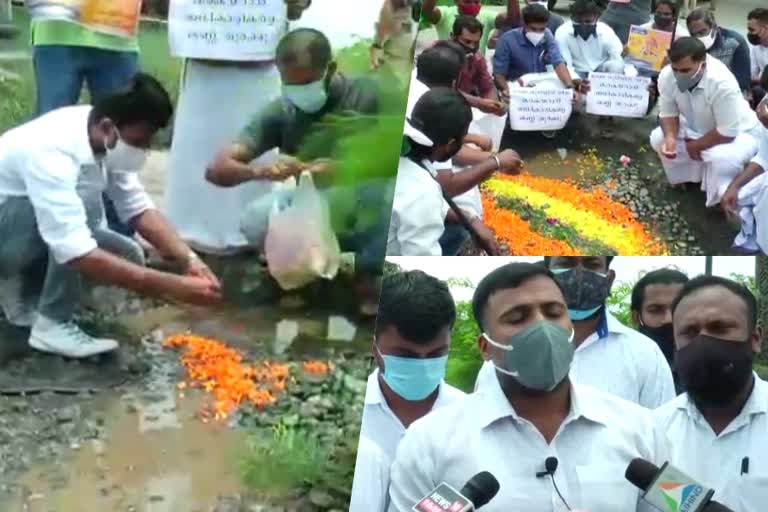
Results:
[717, 431]
[608, 355]
[708, 131]
[588, 45]
[413, 333]
[53, 171]
[531, 412]
[757, 36]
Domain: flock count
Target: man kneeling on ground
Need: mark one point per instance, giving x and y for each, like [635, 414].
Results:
[53, 171]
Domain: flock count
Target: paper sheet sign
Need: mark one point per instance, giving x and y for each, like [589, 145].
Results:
[238, 30]
[539, 108]
[115, 17]
[647, 48]
[617, 95]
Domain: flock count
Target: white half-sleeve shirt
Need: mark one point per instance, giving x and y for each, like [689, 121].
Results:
[49, 161]
[598, 439]
[716, 460]
[715, 103]
[617, 360]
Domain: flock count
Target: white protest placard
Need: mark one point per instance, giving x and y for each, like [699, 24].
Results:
[617, 95]
[539, 108]
[239, 30]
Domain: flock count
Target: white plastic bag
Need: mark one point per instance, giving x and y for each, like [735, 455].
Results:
[254, 222]
[301, 245]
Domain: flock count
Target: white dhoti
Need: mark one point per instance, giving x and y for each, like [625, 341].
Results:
[719, 165]
[215, 104]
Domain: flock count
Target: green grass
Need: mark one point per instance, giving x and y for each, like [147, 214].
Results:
[762, 371]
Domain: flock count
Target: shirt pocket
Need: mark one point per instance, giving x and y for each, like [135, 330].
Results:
[603, 488]
[754, 493]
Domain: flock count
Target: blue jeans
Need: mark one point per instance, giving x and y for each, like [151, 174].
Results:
[60, 72]
[453, 239]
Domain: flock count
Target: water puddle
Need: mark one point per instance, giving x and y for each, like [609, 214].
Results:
[150, 451]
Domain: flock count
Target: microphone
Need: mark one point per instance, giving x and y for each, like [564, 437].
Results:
[670, 490]
[476, 493]
[550, 466]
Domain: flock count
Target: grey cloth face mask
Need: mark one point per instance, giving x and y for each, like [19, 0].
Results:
[539, 357]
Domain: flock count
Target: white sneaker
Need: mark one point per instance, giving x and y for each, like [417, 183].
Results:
[12, 303]
[66, 339]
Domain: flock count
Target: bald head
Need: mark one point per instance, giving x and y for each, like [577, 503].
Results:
[303, 56]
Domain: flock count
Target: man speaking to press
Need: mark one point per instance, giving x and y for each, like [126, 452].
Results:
[552, 445]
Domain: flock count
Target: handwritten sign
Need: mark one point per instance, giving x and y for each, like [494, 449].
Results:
[647, 48]
[617, 95]
[236, 30]
[114, 17]
[539, 108]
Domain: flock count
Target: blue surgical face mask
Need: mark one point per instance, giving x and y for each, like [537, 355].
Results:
[308, 98]
[582, 314]
[413, 378]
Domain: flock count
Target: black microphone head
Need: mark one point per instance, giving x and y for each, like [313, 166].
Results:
[714, 506]
[550, 464]
[481, 488]
[641, 473]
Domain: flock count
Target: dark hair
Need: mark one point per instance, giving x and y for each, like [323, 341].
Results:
[535, 13]
[304, 41]
[660, 276]
[468, 23]
[687, 47]
[584, 7]
[442, 114]
[439, 66]
[669, 3]
[697, 283]
[416, 304]
[505, 277]
[608, 260]
[702, 14]
[144, 99]
[760, 14]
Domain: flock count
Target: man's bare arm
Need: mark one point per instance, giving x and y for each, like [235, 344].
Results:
[230, 168]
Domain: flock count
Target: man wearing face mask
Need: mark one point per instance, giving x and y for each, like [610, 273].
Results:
[708, 131]
[443, 17]
[608, 355]
[313, 90]
[529, 50]
[530, 411]
[475, 81]
[589, 45]
[53, 171]
[757, 35]
[717, 430]
[724, 44]
[413, 333]
[652, 299]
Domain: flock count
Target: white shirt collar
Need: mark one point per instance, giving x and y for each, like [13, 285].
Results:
[496, 406]
[756, 404]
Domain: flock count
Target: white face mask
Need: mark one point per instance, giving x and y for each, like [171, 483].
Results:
[535, 37]
[708, 40]
[124, 157]
[308, 98]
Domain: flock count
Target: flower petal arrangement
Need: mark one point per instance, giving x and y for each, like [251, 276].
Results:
[535, 215]
[221, 371]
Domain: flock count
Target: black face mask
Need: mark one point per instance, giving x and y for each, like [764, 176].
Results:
[753, 39]
[714, 371]
[584, 30]
[468, 50]
[583, 289]
[662, 20]
[664, 336]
